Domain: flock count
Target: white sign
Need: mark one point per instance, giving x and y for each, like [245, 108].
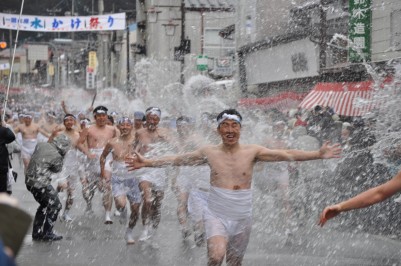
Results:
[298, 59]
[4, 66]
[90, 78]
[38, 52]
[63, 24]
[223, 67]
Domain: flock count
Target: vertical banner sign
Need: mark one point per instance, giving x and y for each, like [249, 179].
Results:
[92, 61]
[359, 31]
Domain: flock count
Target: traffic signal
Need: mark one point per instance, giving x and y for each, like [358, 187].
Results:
[3, 45]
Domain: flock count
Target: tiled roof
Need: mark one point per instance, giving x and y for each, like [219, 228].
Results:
[210, 4]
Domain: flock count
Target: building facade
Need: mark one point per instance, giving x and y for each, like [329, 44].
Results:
[179, 49]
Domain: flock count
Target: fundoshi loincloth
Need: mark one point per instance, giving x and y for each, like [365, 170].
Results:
[229, 214]
[125, 183]
[156, 176]
[28, 147]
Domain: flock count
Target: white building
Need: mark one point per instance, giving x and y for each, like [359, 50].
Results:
[386, 30]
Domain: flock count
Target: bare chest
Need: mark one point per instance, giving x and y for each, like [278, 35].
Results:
[99, 138]
[29, 131]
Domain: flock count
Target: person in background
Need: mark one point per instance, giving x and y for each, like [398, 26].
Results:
[139, 118]
[6, 137]
[46, 160]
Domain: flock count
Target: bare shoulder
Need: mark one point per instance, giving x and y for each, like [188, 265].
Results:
[141, 131]
[209, 148]
[111, 128]
[255, 148]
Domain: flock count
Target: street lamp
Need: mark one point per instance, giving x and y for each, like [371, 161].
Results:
[170, 27]
[152, 14]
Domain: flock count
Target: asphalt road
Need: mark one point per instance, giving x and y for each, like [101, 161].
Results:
[87, 241]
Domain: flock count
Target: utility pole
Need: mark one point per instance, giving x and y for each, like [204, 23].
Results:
[323, 35]
[128, 54]
[182, 65]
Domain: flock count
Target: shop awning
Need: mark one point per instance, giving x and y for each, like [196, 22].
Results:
[13, 91]
[346, 98]
[283, 101]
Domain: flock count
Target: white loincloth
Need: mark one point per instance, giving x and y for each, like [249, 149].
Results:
[156, 176]
[125, 183]
[229, 214]
[28, 147]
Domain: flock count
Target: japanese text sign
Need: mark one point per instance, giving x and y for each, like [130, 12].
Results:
[63, 24]
[359, 31]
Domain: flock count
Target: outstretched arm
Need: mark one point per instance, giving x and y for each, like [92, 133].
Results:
[364, 199]
[191, 158]
[325, 152]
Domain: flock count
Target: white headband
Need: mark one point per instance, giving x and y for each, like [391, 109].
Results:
[100, 111]
[224, 117]
[154, 111]
[124, 120]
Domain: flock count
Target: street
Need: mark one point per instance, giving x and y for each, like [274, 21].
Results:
[87, 241]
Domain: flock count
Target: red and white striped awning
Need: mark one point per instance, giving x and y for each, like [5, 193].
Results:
[346, 98]
[283, 101]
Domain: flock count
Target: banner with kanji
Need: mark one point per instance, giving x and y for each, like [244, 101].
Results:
[62, 23]
[359, 31]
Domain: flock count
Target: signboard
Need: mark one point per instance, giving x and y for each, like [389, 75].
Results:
[63, 23]
[51, 69]
[92, 60]
[4, 66]
[360, 30]
[293, 60]
[38, 52]
[90, 78]
[201, 63]
[223, 67]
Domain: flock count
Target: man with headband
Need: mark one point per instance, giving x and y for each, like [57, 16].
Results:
[228, 217]
[96, 138]
[124, 184]
[69, 173]
[139, 118]
[29, 131]
[151, 141]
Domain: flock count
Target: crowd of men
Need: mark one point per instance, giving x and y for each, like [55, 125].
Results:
[131, 160]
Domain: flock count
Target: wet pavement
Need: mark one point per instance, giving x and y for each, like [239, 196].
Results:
[87, 241]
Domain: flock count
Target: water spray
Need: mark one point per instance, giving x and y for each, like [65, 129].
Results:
[12, 63]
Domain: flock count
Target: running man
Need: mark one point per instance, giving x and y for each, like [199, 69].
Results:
[150, 141]
[228, 218]
[192, 183]
[96, 137]
[29, 132]
[69, 173]
[124, 184]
